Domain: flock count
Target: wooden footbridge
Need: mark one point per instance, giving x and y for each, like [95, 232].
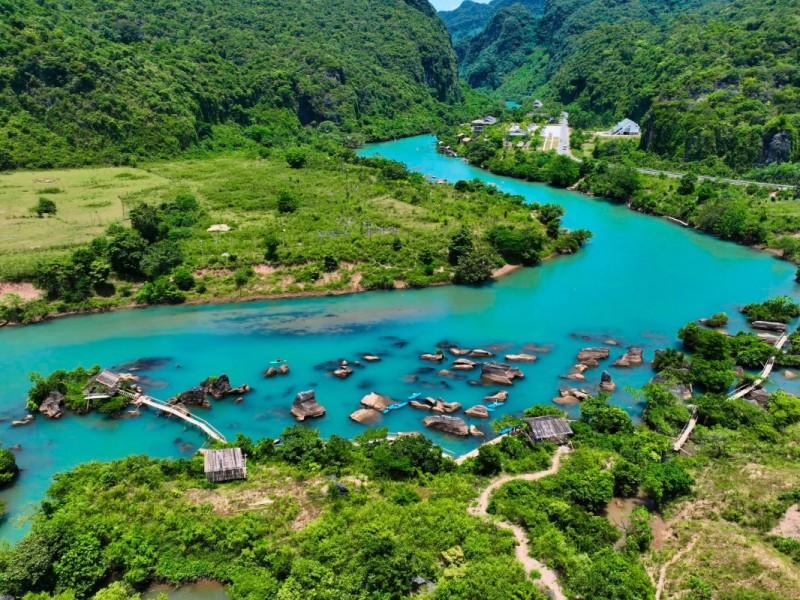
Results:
[736, 394]
[181, 413]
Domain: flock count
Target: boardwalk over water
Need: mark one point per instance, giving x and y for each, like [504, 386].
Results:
[736, 394]
[199, 422]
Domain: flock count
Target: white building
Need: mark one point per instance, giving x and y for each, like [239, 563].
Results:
[626, 127]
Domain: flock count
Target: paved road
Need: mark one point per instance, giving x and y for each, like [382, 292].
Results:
[564, 148]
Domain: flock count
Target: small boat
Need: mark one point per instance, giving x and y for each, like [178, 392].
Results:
[505, 431]
[493, 405]
[394, 406]
[277, 361]
[415, 395]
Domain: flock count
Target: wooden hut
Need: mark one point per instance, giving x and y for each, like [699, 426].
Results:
[103, 385]
[225, 465]
[548, 429]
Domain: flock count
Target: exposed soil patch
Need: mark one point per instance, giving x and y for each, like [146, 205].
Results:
[26, 291]
[789, 525]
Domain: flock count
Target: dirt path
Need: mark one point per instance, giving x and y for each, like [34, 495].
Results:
[549, 579]
[662, 574]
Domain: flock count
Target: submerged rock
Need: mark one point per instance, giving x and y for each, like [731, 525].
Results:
[343, 372]
[28, 419]
[447, 424]
[574, 377]
[371, 358]
[529, 358]
[305, 406]
[51, 406]
[460, 351]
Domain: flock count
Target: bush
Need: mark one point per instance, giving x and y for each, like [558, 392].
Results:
[44, 206]
[243, 275]
[329, 263]
[781, 309]
[183, 279]
[296, 158]
[474, 268]
[287, 202]
[8, 467]
[717, 320]
[160, 291]
[489, 460]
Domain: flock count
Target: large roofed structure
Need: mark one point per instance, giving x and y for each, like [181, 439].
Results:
[225, 465]
[549, 429]
[626, 127]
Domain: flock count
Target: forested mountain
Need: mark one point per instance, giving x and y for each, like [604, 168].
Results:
[715, 82]
[110, 81]
[471, 17]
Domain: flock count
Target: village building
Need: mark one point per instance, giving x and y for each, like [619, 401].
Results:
[103, 385]
[516, 131]
[227, 464]
[478, 125]
[548, 429]
[537, 104]
[626, 127]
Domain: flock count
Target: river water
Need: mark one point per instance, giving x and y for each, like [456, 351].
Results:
[637, 282]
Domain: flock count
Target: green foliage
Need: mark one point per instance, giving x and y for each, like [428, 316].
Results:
[461, 244]
[781, 309]
[668, 358]
[489, 460]
[614, 576]
[183, 279]
[69, 383]
[287, 202]
[784, 409]
[662, 411]
[8, 467]
[160, 291]
[639, 533]
[604, 418]
[407, 457]
[296, 158]
[664, 482]
[44, 206]
[474, 268]
[717, 320]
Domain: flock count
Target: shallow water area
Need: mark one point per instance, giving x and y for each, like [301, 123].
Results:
[637, 282]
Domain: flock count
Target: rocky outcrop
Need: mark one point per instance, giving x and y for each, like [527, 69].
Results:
[789, 375]
[759, 397]
[499, 374]
[464, 364]
[681, 390]
[460, 351]
[591, 356]
[371, 358]
[475, 432]
[527, 358]
[419, 405]
[305, 406]
[633, 357]
[195, 396]
[606, 383]
[273, 371]
[344, 371]
[776, 148]
[51, 406]
[447, 424]
[768, 326]
[376, 401]
[365, 416]
[480, 353]
[501, 396]
[574, 377]
[442, 407]
[479, 412]
[570, 397]
[579, 368]
[28, 419]
[220, 387]
[435, 357]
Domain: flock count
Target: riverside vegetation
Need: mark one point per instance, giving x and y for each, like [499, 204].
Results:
[310, 218]
[329, 518]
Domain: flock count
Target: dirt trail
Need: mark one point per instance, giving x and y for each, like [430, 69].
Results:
[662, 575]
[549, 579]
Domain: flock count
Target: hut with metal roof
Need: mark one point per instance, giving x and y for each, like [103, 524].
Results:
[227, 464]
[548, 429]
[103, 385]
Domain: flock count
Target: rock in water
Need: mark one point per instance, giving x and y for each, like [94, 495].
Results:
[194, 397]
[463, 364]
[768, 326]
[499, 374]
[419, 405]
[682, 391]
[475, 432]
[631, 358]
[371, 358]
[51, 406]
[343, 372]
[365, 416]
[305, 406]
[460, 351]
[606, 383]
[498, 397]
[480, 353]
[789, 375]
[446, 424]
[590, 356]
[432, 357]
[521, 358]
[221, 386]
[376, 401]
[479, 412]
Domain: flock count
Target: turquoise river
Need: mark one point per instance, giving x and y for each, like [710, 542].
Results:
[637, 282]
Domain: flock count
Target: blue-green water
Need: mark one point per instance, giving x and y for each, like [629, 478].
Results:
[637, 282]
[512, 104]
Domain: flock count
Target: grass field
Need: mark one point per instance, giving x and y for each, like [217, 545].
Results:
[88, 201]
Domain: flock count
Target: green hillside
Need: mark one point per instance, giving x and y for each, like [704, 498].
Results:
[715, 83]
[471, 17]
[88, 81]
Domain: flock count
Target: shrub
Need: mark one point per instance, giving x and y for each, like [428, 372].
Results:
[717, 320]
[44, 206]
[329, 263]
[781, 309]
[183, 279]
[8, 467]
[296, 158]
[287, 202]
[160, 291]
[475, 267]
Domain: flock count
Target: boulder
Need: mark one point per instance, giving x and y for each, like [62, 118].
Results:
[606, 383]
[528, 358]
[683, 391]
[195, 396]
[220, 387]
[501, 396]
[449, 407]
[580, 368]
[271, 372]
[566, 400]
[444, 373]
[499, 373]
[593, 354]
[51, 406]
[611, 343]
[365, 416]
[464, 364]
[437, 357]
[371, 358]
[419, 405]
[789, 375]
[759, 397]
[480, 353]
[460, 351]
[305, 406]
[283, 369]
[631, 358]
[447, 424]
[475, 432]
[574, 377]
[768, 326]
[376, 401]
[343, 372]
[590, 362]
[239, 400]
[579, 394]
[479, 412]
[25, 421]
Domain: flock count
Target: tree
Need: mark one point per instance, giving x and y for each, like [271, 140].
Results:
[784, 408]
[160, 291]
[627, 478]
[287, 202]
[146, 220]
[461, 244]
[296, 158]
[591, 488]
[639, 533]
[562, 171]
[161, 258]
[301, 445]
[686, 186]
[183, 279]
[407, 457]
[613, 576]
[474, 268]
[8, 467]
[489, 460]
[329, 263]
[44, 206]
[666, 481]
[125, 250]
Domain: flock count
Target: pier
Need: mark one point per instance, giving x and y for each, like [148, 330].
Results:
[207, 428]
